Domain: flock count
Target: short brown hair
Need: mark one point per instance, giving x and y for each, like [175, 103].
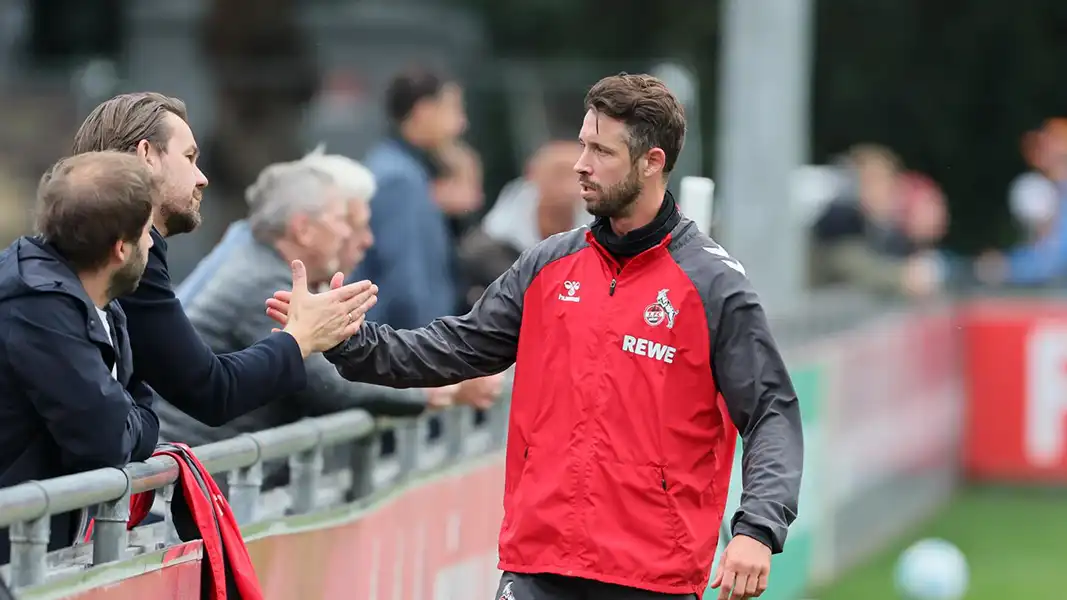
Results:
[122, 122]
[89, 201]
[653, 116]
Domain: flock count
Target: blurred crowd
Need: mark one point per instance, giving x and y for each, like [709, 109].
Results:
[882, 228]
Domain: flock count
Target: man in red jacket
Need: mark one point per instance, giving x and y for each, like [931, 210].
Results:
[641, 350]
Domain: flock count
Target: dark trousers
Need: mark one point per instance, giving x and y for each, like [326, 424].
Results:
[517, 586]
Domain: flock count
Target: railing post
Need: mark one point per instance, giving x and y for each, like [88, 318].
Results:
[407, 447]
[109, 529]
[171, 537]
[305, 470]
[29, 544]
[364, 456]
[245, 485]
[458, 426]
[498, 421]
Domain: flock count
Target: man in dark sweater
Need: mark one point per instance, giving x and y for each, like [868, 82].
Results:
[168, 353]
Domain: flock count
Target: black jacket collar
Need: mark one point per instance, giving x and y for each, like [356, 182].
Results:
[642, 238]
[36, 267]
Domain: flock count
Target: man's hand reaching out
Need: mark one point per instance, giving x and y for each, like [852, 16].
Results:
[319, 322]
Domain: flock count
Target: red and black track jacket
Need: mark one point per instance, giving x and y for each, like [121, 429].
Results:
[630, 380]
[201, 511]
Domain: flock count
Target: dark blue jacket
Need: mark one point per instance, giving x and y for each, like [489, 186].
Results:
[61, 411]
[411, 259]
[171, 357]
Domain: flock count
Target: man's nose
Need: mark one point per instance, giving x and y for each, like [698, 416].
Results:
[201, 179]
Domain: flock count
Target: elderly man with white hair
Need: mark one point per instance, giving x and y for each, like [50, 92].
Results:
[315, 210]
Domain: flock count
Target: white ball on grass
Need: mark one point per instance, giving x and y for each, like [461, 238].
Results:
[932, 569]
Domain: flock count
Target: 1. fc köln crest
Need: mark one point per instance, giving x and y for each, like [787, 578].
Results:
[661, 311]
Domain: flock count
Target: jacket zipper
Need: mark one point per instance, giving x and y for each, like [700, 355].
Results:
[663, 478]
[614, 280]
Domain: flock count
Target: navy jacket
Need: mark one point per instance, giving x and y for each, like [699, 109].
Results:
[172, 358]
[61, 411]
[412, 256]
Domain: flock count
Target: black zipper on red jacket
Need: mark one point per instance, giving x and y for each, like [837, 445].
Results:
[613, 263]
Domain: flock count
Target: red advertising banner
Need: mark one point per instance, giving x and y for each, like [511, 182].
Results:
[176, 577]
[435, 540]
[1016, 363]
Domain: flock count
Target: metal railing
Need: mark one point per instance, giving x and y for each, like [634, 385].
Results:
[27, 508]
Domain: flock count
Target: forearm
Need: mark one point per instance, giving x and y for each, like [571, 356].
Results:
[451, 349]
[148, 437]
[230, 385]
[432, 356]
[328, 392]
[771, 467]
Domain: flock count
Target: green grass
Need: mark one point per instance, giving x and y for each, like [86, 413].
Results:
[1015, 541]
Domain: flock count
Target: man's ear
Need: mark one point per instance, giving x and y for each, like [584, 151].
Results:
[655, 162]
[119, 252]
[300, 227]
[144, 152]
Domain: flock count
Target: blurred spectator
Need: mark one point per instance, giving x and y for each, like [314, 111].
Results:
[459, 187]
[516, 217]
[69, 399]
[1033, 195]
[1043, 258]
[411, 260]
[924, 212]
[313, 210]
[868, 236]
[544, 202]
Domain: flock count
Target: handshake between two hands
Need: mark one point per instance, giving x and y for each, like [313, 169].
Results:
[319, 322]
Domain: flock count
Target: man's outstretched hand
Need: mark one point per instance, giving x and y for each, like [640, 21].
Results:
[319, 322]
[278, 306]
[743, 569]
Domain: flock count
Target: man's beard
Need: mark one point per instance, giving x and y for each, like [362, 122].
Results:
[126, 279]
[617, 200]
[181, 220]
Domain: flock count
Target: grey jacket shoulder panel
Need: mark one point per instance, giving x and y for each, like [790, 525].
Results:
[752, 377]
[549, 250]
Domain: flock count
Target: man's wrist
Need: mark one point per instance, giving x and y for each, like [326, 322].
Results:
[759, 534]
[301, 342]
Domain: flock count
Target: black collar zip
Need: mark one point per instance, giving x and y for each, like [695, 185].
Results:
[642, 238]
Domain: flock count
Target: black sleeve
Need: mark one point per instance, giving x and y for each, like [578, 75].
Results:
[759, 395]
[169, 355]
[327, 392]
[92, 418]
[144, 399]
[451, 349]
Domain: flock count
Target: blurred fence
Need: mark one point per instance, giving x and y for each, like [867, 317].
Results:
[367, 502]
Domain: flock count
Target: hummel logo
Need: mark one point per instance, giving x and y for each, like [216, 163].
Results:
[727, 260]
[572, 288]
